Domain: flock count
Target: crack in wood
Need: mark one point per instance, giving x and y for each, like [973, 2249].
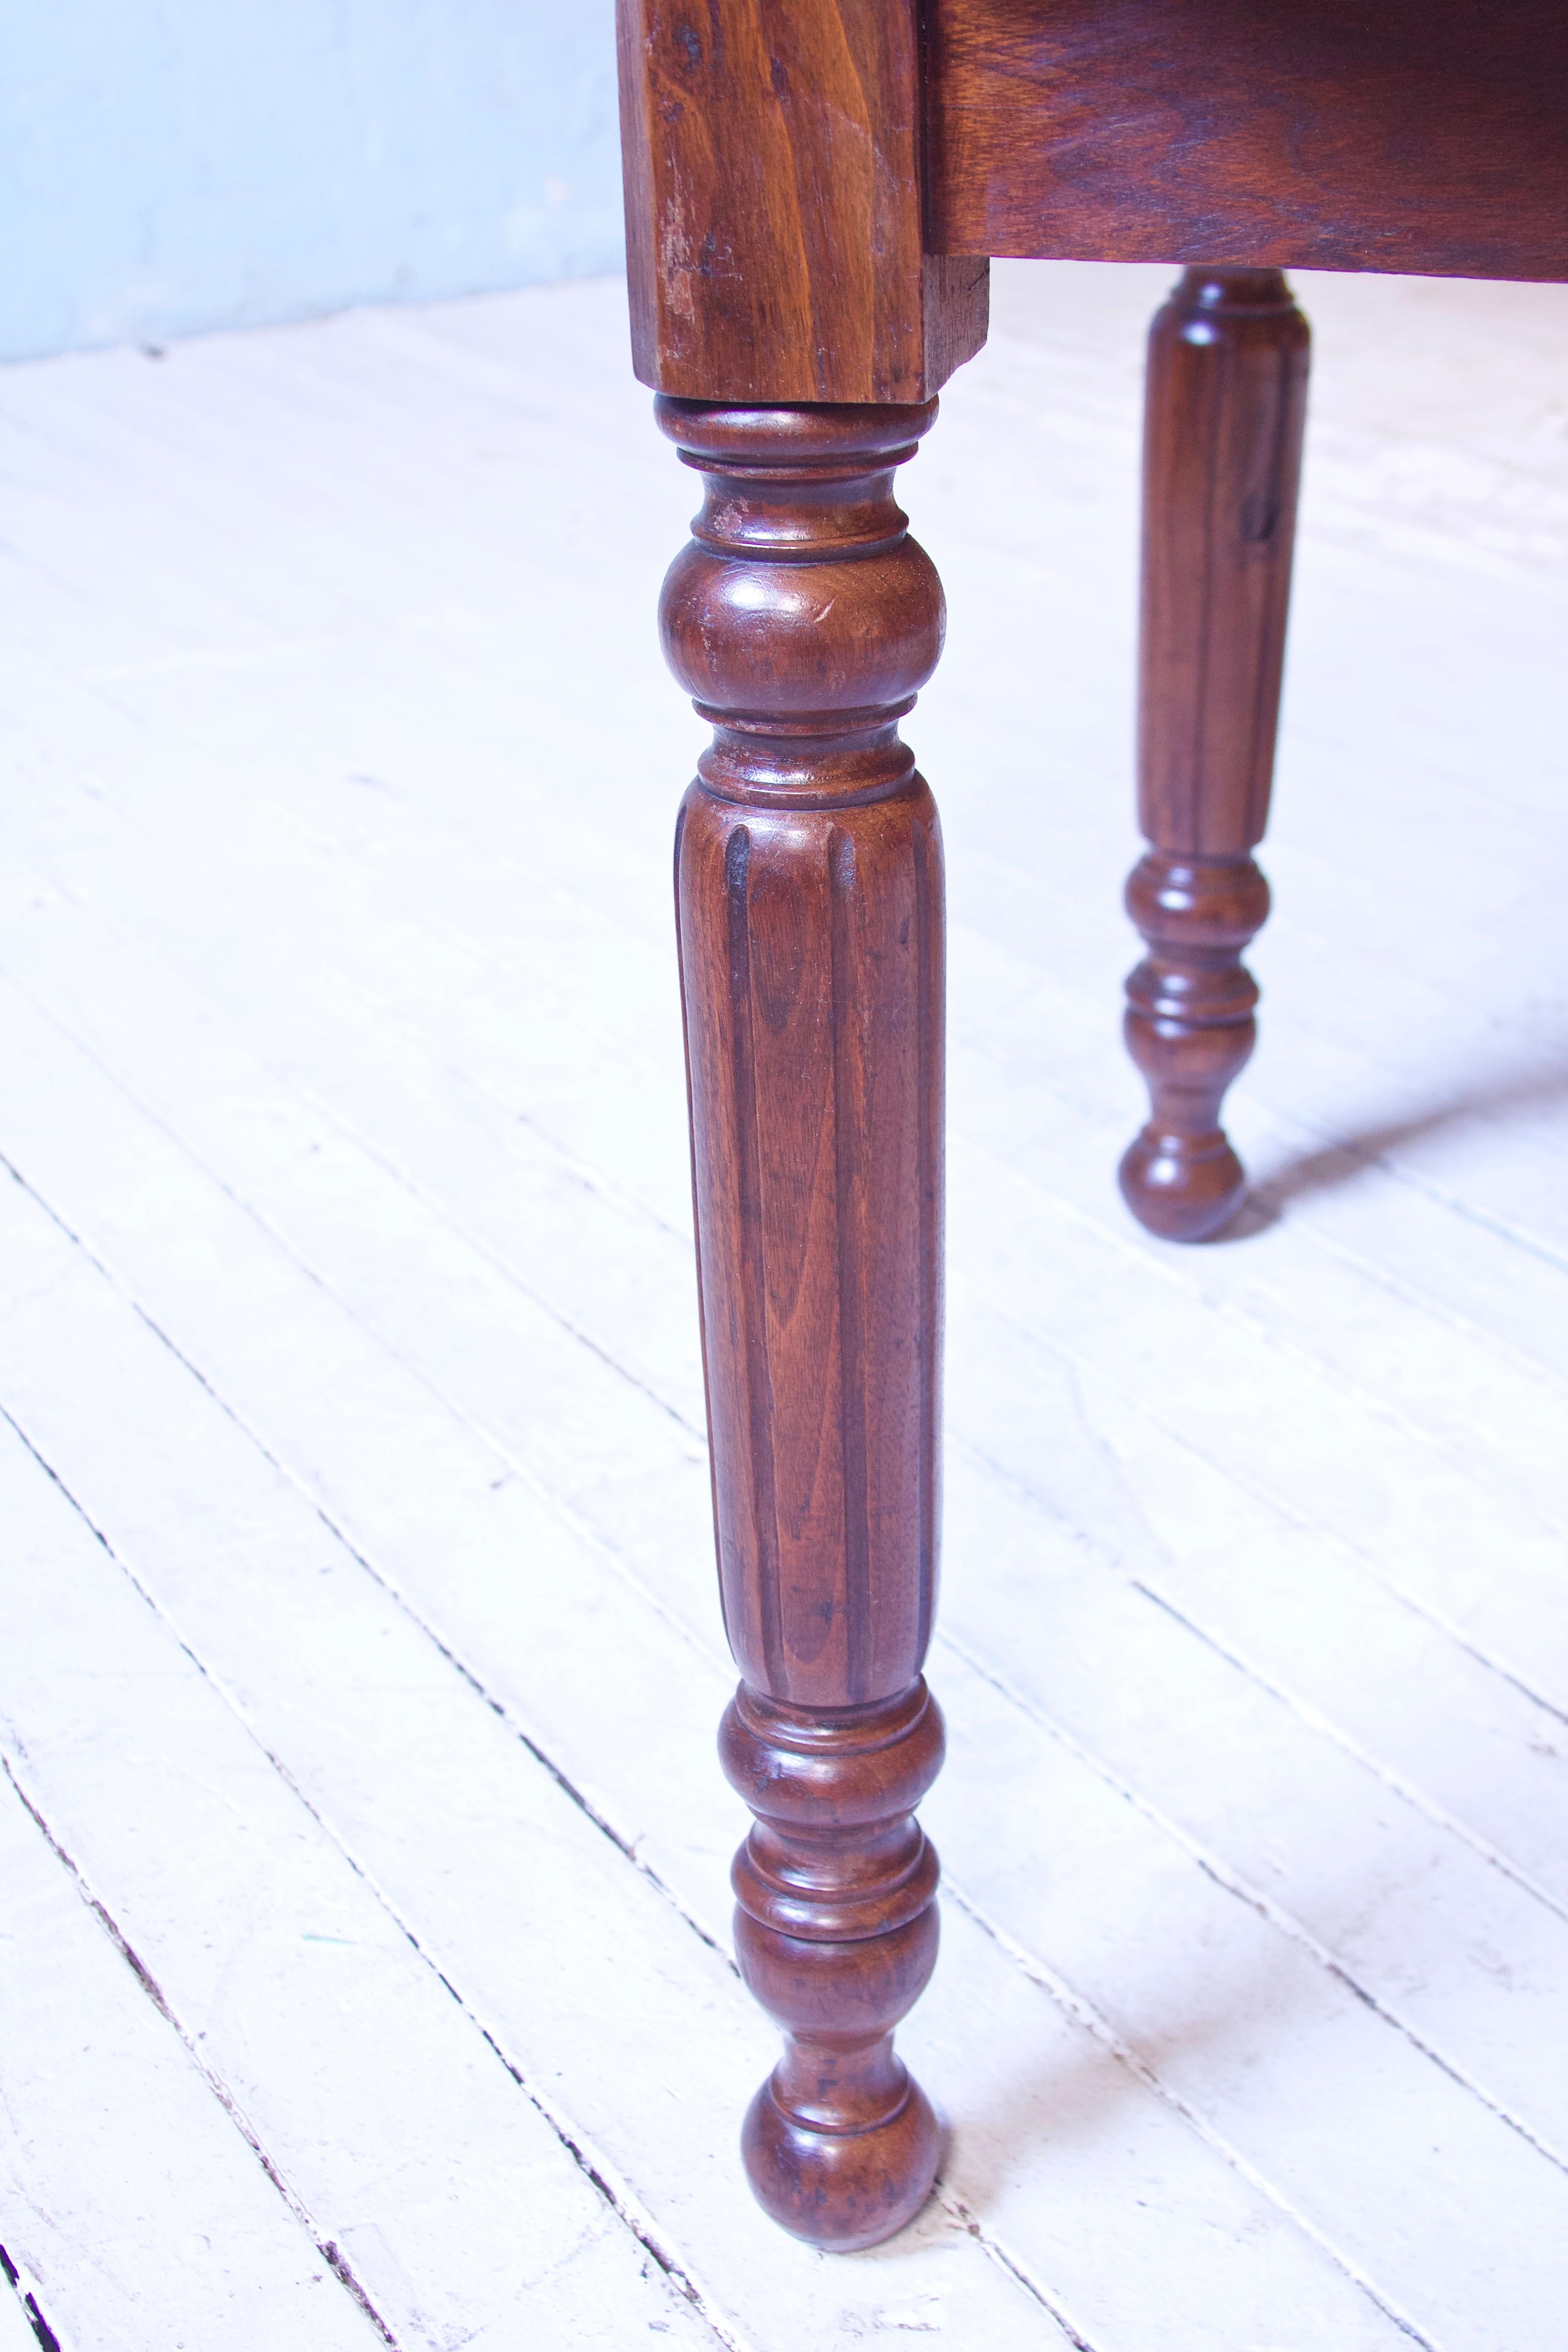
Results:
[329, 2252]
[619, 2201]
[27, 2296]
[624, 1846]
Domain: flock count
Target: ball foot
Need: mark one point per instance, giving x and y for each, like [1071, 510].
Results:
[1185, 1187]
[842, 2190]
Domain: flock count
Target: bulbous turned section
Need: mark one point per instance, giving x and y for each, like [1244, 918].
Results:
[802, 618]
[837, 1934]
[1190, 1029]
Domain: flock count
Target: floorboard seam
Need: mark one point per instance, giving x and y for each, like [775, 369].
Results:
[1398, 1173]
[1464, 1325]
[617, 2195]
[1233, 1885]
[1315, 1721]
[1237, 1317]
[1258, 1491]
[26, 2295]
[1178, 1277]
[331, 2253]
[625, 1847]
[1084, 2013]
[1014, 2269]
[494, 1443]
[302, 1093]
[1216, 1872]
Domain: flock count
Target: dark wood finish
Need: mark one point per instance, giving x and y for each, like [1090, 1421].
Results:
[812, 189]
[772, 184]
[809, 900]
[1226, 407]
[1425, 135]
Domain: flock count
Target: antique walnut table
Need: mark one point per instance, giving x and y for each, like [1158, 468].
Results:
[813, 189]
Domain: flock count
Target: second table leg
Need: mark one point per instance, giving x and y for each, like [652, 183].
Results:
[1226, 410]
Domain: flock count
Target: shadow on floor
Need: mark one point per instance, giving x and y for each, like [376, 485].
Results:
[1340, 1163]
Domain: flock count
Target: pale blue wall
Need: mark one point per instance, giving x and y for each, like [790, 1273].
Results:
[170, 166]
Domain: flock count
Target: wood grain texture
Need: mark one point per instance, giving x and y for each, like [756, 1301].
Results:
[775, 248]
[1226, 407]
[808, 885]
[1421, 135]
[266, 959]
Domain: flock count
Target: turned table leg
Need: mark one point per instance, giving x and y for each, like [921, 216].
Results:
[1226, 407]
[809, 901]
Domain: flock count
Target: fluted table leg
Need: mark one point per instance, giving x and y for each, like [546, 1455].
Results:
[1226, 408]
[808, 883]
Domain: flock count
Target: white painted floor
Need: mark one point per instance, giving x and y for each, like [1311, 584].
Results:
[365, 1932]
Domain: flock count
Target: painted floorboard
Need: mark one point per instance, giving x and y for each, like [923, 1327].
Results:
[454, 2206]
[1277, 2269]
[456, 1855]
[93, 2071]
[350, 1299]
[990, 1760]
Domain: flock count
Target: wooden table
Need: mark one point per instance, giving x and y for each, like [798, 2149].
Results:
[813, 190]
